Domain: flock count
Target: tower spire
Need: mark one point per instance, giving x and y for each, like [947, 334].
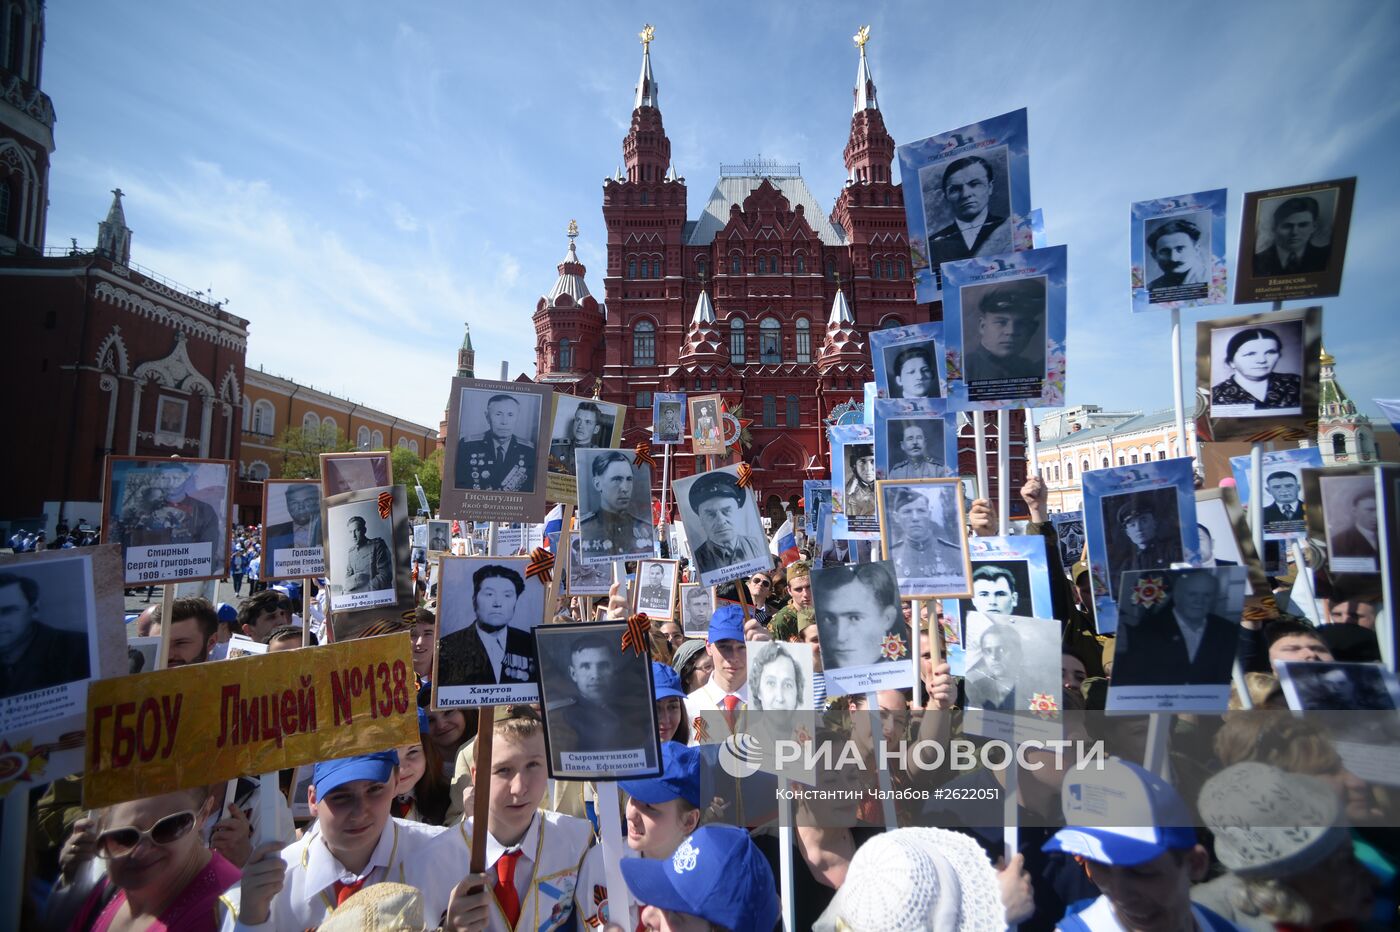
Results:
[113, 235]
[865, 84]
[646, 85]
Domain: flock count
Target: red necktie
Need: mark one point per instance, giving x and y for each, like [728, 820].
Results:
[505, 886]
[343, 891]
[730, 703]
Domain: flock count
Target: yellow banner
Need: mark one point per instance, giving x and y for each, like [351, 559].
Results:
[154, 733]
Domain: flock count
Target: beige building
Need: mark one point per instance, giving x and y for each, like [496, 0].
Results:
[1076, 440]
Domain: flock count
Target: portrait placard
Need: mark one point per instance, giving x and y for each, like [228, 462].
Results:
[815, 493]
[1178, 634]
[908, 361]
[585, 578]
[1004, 322]
[1069, 534]
[1331, 686]
[439, 538]
[1257, 375]
[722, 526]
[837, 551]
[780, 677]
[170, 515]
[1137, 517]
[497, 447]
[62, 631]
[707, 425]
[914, 439]
[1350, 520]
[141, 654]
[864, 640]
[973, 196]
[697, 605]
[294, 542]
[614, 506]
[1285, 508]
[487, 609]
[922, 537]
[656, 589]
[1178, 247]
[667, 417]
[590, 734]
[351, 472]
[578, 424]
[1293, 241]
[853, 510]
[1225, 537]
[1013, 665]
[1010, 576]
[171, 414]
[367, 549]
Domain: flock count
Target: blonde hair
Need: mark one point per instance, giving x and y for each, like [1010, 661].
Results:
[1273, 899]
[1278, 738]
[520, 723]
[1264, 693]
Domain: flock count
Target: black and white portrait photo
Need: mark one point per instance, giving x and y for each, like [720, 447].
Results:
[1178, 257]
[1012, 661]
[1284, 511]
[863, 636]
[967, 206]
[579, 423]
[585, 578]
[1330, 686]
[780, 676]
[360, 560]
[439, 537]
[656, 589]
[171, 517]
[171, 414]
[487, 609]
[668, 417]
[614, 503]
[921, 532]
[352, 472]
[1351, 519]
[833, 550]
[706, 425]
[1069, 532]
[1001, 587]
[916, 448]
[1142, 530]
[1218, 544]
[1257, 370]
[912, 370]
[722, 526]
[1004, 346]
[859, 499]
[293, 539]
[697, 604]
[1177, 628]
[592, 727]
[1293, 241]
[497, 451]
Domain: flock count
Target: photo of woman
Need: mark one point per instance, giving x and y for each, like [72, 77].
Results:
[1253, 356]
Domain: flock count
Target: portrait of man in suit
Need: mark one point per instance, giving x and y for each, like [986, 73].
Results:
[495, 647]
[303, 500]
[1181, 641]
[1354, 529]
[1175, 245]
[499, 460]
[1285, 514]
[1208, 557]
[1291, 250]
[967, 184]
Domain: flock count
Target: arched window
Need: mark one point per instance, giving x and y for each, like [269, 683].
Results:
[259, 471]
[1057, 472]
[329, 428]
[631, 268]
[262, 417]
[830, 269]
[403, 443]
[362, 437]
[376, 441]
[889, 323]
[309, 421]
[804, 340]
[875, 269]
[770, 341]
[801, 265]
[736, 340]
[736, 265]
[566, 354]
[413, 445]
[1105, 462]
[794, 411]
[644, 343]
[1083, 467]
[899, 269]
[770, 411]
[1339, 445]
[247, 416]
[702, 268]
[5, 207]
[1069, 472]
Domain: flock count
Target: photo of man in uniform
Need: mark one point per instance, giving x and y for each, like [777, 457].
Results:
[719, 505]
[967, 185]
[916, 439]
[1010, 316]
[500, 460]
[369, 566]
[490, 649]
[586, 578]
[991, 677]
[1140, 535]
[584, 431]
[1175, 245]
[157, 508]
[926, 554]
[590, 718]
[439, 537]
[618, 490]
[696, 606]
[1291, 250]
[1181, 641]
[708, 436]
[860, 488]
[304, 529]
[654, 596]
[34, 655]
[668, 426]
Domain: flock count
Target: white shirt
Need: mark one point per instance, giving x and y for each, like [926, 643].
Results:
[708, 699]
[495, 644]
[1099, 917]
[591, 899]
[972, 227]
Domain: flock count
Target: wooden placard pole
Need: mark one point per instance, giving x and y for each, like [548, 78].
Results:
[665, 488]
[481, 776]
[1155, 755]
[1179, 402]
[1256, 496]
[561, 562]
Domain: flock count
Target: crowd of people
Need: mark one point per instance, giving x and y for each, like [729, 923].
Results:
[383, 840]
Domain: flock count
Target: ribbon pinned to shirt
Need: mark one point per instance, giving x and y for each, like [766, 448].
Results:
[541, 565]
[635, 637]
[644, 455]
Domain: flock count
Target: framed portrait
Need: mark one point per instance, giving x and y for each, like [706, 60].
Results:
[922, 537]
[488, 608]
[1178, 251]
[853, 511]
[63, 629]
[835, 551]
[1331, 686]
[973, 196]
[707, 425]
[656, 589]
[439, 538]
[589, 733]
[171, 414]
[697, 605]
[780, 677]
[1010, 576]
[578, 424]
[908, 361]
[614, 506]
[1350, 521]
[1284, 506]
[1004, 321]
[1137, 517]
[170, 515]
[497, 446]
[582, 578]
[914, 439]
[1388, 484]
[1069, 535]
[1225, 537]
[1178, 633]
[864, 640]
[351, 472]
[722, 526]
[1257, 376]
[815, 493]
[294, 542]
[668, 417]
[1293, 241]
[367, 549]
[1013, 665]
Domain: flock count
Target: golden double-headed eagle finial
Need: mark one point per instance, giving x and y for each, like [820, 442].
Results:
[647, 35]
[861, 37]
[573, 229]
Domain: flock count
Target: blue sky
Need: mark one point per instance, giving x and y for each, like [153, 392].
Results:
[360, 178]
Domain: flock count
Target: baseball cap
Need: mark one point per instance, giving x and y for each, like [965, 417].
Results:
[227, 613]
[667, 682]
[680, 777]
[330, 774]
[717, 874]
[1120, 814]
[726, 624]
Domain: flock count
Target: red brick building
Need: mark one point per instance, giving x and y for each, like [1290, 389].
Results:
[762, 297]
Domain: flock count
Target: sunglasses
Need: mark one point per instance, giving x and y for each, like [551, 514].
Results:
[119, 842]
[760, 581]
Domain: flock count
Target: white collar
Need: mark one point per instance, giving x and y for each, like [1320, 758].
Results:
[713, 690]
[527, 845]
[323, 869]
[976, 222]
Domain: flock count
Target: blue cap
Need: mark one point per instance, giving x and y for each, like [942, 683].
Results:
[680, 777]
[423, 724]
[1120, 814]
[227, 613]
[717, 874]
[668, 682]
[726, 624]
[330, 774]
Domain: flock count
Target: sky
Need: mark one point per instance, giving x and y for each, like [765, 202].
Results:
[358, 179]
